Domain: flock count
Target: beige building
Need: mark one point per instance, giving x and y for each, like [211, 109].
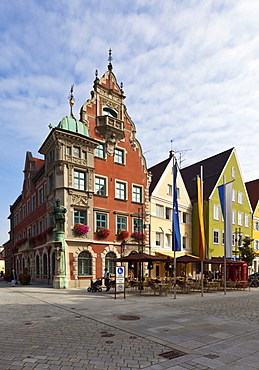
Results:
[161, 202]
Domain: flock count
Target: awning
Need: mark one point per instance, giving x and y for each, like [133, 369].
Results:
[171, 254]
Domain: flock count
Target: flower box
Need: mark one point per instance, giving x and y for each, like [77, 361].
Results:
[81, 229]
[138, 236]
[102, 233]
[122, 235]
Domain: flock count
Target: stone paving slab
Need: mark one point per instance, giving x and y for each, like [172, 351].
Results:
[43, 328]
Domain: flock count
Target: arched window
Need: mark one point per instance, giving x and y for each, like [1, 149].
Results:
[29, 265]
[53, 263]
[85, 263]
[23, 264]
[109, 264]
[45, 264]
[37, 265]
[109, 112]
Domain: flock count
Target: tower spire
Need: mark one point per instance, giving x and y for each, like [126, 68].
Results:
[110, 60]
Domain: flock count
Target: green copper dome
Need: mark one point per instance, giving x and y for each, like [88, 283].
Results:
[73, 125]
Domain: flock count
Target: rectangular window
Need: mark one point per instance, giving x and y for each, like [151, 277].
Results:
[79, 217]
[76, 152]
[169, 189]
[83, 154]
[168, 213]
[41, 226]
[137, 224]
[256, 225]
[100, 185]
[240, 197]
[185, 218]
[233, 217]
[216, 237]
[159, 211]
[184, 242]
[216, 212]
[246, 220]
[137, 194]
[79, 180]
[256, 244]
[168, 241]
[69, 150]
[34, 232]
[99, 151]
[29, 232]
[119, 156]
[239, 220]
[101, 220]
[24, 211]
[234, 193]
[120, 190]
[33, 203]
[28, 207]
[40, 196]
[121, 223]
[158, 239]
[51, 183]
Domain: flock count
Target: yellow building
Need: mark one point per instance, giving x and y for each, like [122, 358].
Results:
[253, 193]
[161, 202]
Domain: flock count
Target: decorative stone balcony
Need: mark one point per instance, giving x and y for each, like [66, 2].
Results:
[111, 128]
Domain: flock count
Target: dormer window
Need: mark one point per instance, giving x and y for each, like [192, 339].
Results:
[109, 112]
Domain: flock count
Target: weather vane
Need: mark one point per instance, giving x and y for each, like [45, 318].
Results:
[71, 99]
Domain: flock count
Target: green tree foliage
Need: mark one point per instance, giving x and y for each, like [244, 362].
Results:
[246, 252]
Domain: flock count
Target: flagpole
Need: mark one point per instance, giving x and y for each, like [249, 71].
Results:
[225, 241]
[202, 221]
[174, 231]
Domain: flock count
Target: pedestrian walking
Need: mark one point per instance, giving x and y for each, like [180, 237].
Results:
[13, 278]
[106, 278]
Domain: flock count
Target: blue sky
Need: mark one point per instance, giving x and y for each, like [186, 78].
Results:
[190, 71]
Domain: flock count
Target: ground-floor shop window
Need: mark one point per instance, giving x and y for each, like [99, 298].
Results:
[109, 263]
[85, 263]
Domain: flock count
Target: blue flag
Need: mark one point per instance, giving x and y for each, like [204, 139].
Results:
[176, 225]
[225, 197]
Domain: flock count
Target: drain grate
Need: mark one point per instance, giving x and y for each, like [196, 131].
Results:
[28, 323]
[109, 341]
[107, 335]
[128, 317]
[211, 356]
[172, 354]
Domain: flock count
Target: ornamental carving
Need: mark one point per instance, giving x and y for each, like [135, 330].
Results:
[79, 200]
[110, 104]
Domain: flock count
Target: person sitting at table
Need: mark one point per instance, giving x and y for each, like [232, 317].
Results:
[210, 276]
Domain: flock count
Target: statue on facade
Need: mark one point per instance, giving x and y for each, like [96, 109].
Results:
[58, 216]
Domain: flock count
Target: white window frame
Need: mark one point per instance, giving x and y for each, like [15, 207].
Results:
[119, 156]
[247, 219]
[218, 233]
[159, 211]
[234, 195]
[240, 218]
[137, 197]
[234, 216]
[79, 182]
[120, 190]
[99, 190]
[240, 197]
[216, 212]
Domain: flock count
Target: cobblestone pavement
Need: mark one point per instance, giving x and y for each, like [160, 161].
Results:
[44, 328]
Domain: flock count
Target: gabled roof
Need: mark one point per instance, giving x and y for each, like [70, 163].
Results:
[212, 169]
[252, 188]
[157, 171]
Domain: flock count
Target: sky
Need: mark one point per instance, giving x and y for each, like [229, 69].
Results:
[190, 71]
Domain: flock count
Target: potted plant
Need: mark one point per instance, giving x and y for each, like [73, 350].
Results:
[81, 229]
[122, 235]
[102, 233]
[138, 236]
[25, 278]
